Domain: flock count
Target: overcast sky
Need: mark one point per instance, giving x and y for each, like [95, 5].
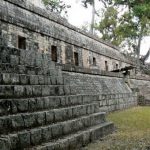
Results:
[78, 16]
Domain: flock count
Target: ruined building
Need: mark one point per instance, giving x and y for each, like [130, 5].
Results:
[56, 81]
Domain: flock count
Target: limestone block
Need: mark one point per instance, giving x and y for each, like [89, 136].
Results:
[14, 60]
[55, 102]
[41, 80]
[5, 123]
[6, 91]
[86, 138]
[6, 78]
[52, 91]
[59, 80]
[13, 107]
[24, 139]
[45, 90]
[41, 118]
[70, 113]
[60, 90]
[29, 120]
[34, 79]
[56, 130]
[67, 90]
[73, 100]
[14, 140]
[77, 125]
[67, 127]
[14, 79]
[19, 90]
[24, 79]
[5, 106]
[21, 69]
[40, 103]
[53, 80]
[79, 140]
[59, 114]
[89, 109]
[37, 90]
[22, 105]
[82, 110]
[49, 116]
[75, 112]
[36, 136]
[73, 143]
[64, 101]
[46, 134]
[17, 122]
[47, 80]
[53, 72]
[87, 122]
[63, 145]
[86, 99]
[32, 105]
[46, 102]
[4, 144]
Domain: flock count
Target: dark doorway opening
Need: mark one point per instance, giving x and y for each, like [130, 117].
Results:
[106, 65]
[54, 53]
[117, 66]
[21, 42]
[94, 61]
[76, 59]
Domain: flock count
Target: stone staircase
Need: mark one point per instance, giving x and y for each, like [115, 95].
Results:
[39, 112]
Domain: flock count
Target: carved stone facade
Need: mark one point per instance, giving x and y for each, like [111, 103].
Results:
[53, 81]
[42, 31]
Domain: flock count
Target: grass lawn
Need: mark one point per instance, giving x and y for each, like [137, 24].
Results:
[133, 131]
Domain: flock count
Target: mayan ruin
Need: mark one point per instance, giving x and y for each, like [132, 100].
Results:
[57, 82]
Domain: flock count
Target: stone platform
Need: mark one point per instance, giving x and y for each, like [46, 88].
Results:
[38, 111]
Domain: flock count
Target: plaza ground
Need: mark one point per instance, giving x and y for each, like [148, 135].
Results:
[132, 131]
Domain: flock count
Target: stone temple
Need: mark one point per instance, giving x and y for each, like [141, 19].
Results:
[57, 82]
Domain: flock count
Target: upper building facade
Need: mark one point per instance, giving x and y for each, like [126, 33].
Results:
[28, 27]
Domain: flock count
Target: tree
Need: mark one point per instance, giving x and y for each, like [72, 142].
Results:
[57, 6]
[107, 26]
[92, 3]
[128, 27]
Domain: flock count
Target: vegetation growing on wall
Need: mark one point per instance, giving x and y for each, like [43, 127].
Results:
[57, 6]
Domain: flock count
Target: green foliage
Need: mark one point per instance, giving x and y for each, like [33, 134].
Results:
[107, 26]
[129, 27]
[57, 6]
[92, 3]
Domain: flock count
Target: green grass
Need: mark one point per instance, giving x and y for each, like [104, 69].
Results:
[133, 131]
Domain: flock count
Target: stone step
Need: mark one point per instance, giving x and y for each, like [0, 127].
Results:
[24, 79]
[22, 121]
[36, 136]
[29, 69]
[22, 91]
[13, 106]
[77, 140]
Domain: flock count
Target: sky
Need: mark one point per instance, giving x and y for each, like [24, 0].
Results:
[78, 16]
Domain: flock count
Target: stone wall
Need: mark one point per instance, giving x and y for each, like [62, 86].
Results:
[143, 87]
[112, 91]
[39, 111]
[42, 30]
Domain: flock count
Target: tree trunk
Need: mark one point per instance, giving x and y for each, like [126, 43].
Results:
[93, 17]
[139, 46]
